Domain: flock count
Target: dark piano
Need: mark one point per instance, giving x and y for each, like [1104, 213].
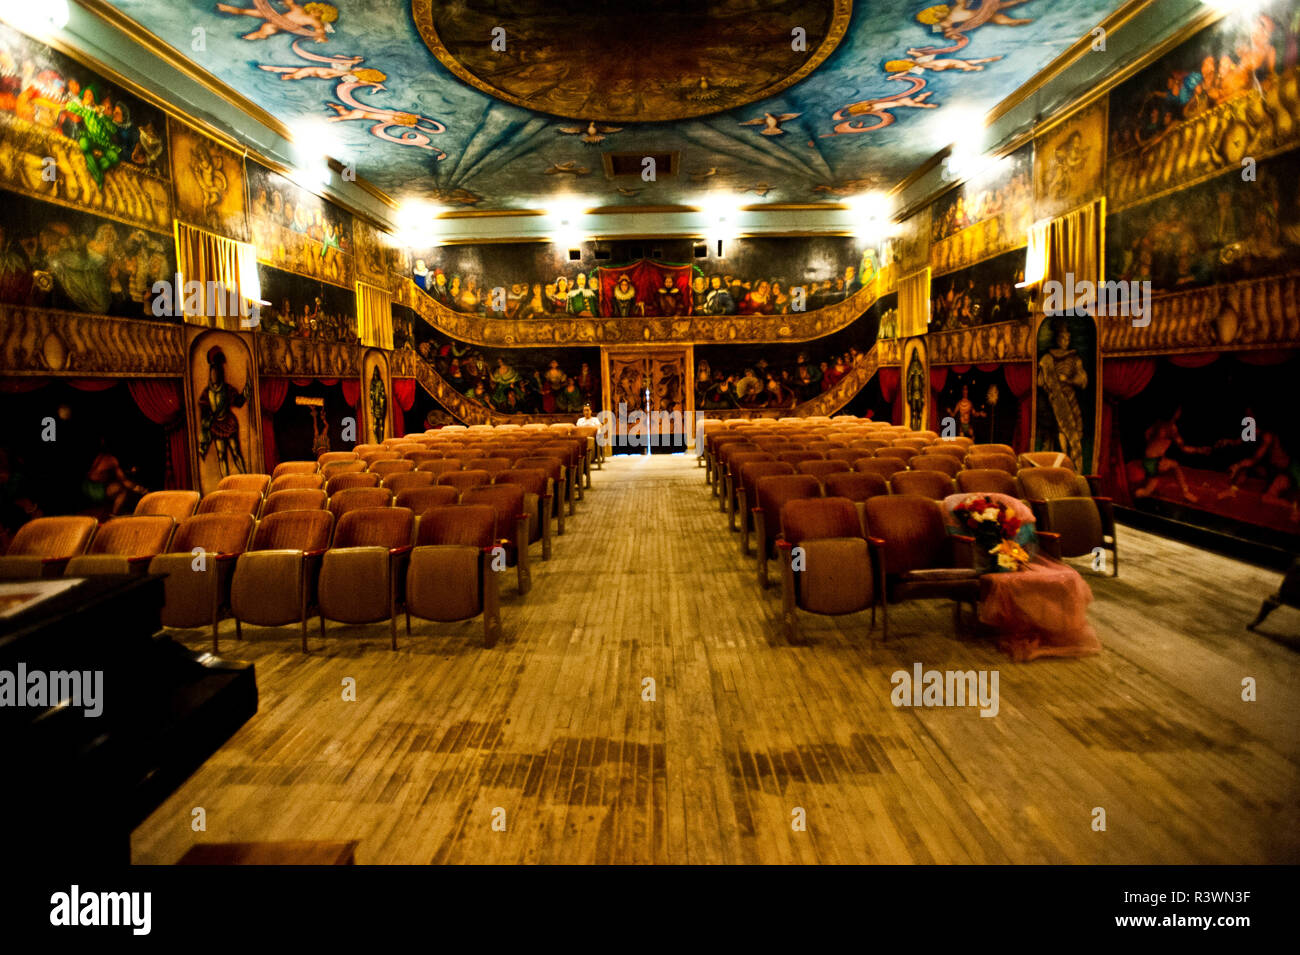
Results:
[75, 786]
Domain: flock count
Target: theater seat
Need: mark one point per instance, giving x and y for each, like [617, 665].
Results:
[538, 490]
[900, 453]
[124, 545]
[332, 468]
[462, 481]
[987, 481]
[304, 499]
[858, 488]
[822, 469]
[554, 468]
[43, 546]
[450, 575]
[420, 499]
[275, 580]
[439, 465]
[397, 483]
[178, 505]
[881, 467]
[359, 497]
[295, 467]
[365, 566]
[1045, 459]
[294, 482]
[231, 502]
[835, 575]
[1063, 504]
[391, 466]
[946, 463]
[932, 484]
[334, 457]
[747, 493]
[198, 585]
[345, 482]
[512, 524]
[245, 482]
[773, 494]
[991, 461]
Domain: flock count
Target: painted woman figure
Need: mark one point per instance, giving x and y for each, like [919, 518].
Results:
[378, 404]
[504, 379]
[1061, 375]
[559, 298]
[217, 422]
[668, 298]
[625, 303]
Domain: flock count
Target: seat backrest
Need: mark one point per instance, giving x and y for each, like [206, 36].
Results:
[133, 536]
[991, 461]
[935, 462]
[335, 457]
[491, 465]
[822, 469]
[331, 468]
[532, 480]
[356, 497]
[383, 454]
[419, 457]
[52, 537]
[473, 525]
[298, 499]
[178, 505]
[1048, 484]
[440, 466]
[550, 465]
[844, 454]
[991, 449]
[986, 481]
[855, 486]
[230, 502]
[898, 453]
[818, 518]
[738, 461]
[955, 451]
[215, 533]
[913, 531]
[916, 444]
[294, 467]
[798, 457]
[961, 442]
[885, 467]
[292, 482]
[397, 483]
[774, 491]
[391, 466]
[420, 499]
[245, 482]
[343, 482]
[932, 484]
[1045, 459]
[751, 471]
[464, 480]
[508, 501]
[375, 527]
[294, 530]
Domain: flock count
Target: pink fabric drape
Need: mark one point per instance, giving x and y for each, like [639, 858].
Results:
[403, 401]
[162, 401]
[273, 391]
[1040, 611]
[1121, 379]
[1020, 378]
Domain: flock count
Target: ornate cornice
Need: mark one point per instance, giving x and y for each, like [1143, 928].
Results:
[549, 331]
[39, 341]
[984, 344]
[279, 356]
[889, 352]
[1258, 313]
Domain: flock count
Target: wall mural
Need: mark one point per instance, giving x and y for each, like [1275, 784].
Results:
[1220, 231]
[374, 256]
[916, 384]
[297, 231]
[983, 216]
[980, 403]
[1229, 92]
[1184, 447]
[303, 307]
[69, 136]
[515, 381]
[779, 375]
[376, 395]
[1070, 162]
[223, 387]
[982, 294]
[61, 258]
[209, 182]
[1067, 388]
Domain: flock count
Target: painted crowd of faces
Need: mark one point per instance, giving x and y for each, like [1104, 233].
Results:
[1219, 231]
[516, 381]
[1009, 192]
[54, 257]
[297, 231]
[1231, 58]
[61, 97]
[579, 294]
[301, 307]
[980, 295]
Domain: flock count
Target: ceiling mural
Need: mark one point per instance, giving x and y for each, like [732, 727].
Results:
[496, 104]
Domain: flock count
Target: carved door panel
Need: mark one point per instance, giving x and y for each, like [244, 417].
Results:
[654, 382]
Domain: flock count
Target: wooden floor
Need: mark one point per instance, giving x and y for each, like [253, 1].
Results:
[550, 726]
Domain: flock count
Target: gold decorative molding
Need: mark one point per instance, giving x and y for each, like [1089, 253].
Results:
[1257, 313]
[889, 352]
[678, 330]
[981, 345]
[402, 363]
[279, 356]
[38, 341]
[469, 412]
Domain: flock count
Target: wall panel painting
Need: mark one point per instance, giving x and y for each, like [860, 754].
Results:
[916, 384]
[70, 136]
[209, 182]
[376, 396]
[982, 294]
[979, 402]
[297, 231]
[984, 216]
[223, 407]
[303, 307]
[1070, 163]
[1067, 388]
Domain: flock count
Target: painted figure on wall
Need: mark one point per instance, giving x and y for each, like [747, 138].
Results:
[320, 433]
[108, 484]
[378, 404]
[917, 386]
[1062, 376]
[218, 426]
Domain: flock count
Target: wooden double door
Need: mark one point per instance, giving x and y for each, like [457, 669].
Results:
[650, 381]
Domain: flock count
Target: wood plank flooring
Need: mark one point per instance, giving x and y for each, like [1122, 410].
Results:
[549, 731]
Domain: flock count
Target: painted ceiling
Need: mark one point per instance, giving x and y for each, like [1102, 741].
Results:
[497, 104]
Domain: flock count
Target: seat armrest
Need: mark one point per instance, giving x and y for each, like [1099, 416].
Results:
[399, 551]
[1050, 544]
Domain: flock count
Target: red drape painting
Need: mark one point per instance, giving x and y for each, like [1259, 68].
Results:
[645, 288]
[273, 393]
[404, 400]
[162, 401]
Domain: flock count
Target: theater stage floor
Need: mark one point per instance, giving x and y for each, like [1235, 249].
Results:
[550, 726]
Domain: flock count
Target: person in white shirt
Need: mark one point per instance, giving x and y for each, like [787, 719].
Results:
[588, 420]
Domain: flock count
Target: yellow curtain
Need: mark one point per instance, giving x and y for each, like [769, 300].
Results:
[1036, 253]
[1074, 251]
[914, 304]
[374, 316]
[228, 290]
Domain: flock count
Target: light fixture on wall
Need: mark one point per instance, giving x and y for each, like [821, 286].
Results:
[966, 132]
[314, 142]
[873, 216]
[565, 226]
[416, 224]
[35, 19]
[721, 217]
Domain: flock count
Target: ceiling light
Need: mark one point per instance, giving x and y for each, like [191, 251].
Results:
[416, 224]
[872, 214]
[721, 213]
[314, 142]
[565, 215]
[35, 19]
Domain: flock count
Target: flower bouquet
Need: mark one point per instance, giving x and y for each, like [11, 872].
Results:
[995, 526]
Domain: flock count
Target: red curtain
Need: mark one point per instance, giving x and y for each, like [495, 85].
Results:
[646, 277]
[1121, 379]
[938, 378]
[1020, 379]
[273, 392]
[890, 379]
[403, 401]
[162, 401]
[1194, 361]
[93, 384]
[352, 392]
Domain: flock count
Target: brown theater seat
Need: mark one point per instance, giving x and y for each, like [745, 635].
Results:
[747, 494]
[123, 545]
[345, 482]
[391, 466]
[359, 497]
[731, 480]
[882, 467]
[231, 502]
[440, 465]
[991, 461]
[295, 467]
[856, 487]
[335, 468]
[420, 499]
[932, 484]
[554, 468]
[336, 457]
[773, 493]
[178, 505]
[302, 499]
[489, 464]
[297, 482]
[1063, 504]
[1045, 459]
[275, 580]
[198, 590]
[822, 469]
[362, 572]
[451, 574]
[834, 574]
[936, 462]
[986, 481]
[245, 482]
[43, 546]
[955, 451]
[397, 483]
[538, 490]
[991, 449]
[464, 480]
[903, 454]
[512, 524]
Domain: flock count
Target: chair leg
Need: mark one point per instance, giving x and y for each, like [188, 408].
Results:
[392, 628]
[239, 629]
[408, 624]
[1267, 607]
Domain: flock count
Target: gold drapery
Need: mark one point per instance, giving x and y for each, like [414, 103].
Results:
[1074, 252]
[914, 304]
[229, 288]
[374, 316]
